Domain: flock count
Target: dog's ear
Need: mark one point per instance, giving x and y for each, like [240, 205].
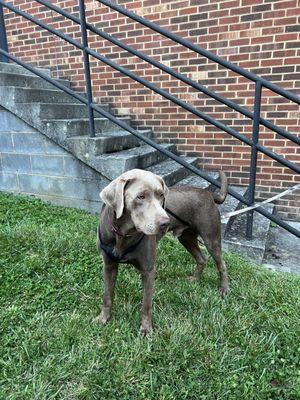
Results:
[165, 189]
[113, 195]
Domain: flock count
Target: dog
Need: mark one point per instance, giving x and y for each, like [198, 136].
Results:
[139, 209]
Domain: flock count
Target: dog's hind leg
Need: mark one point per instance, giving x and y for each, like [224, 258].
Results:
[189, 240]
[215, 250]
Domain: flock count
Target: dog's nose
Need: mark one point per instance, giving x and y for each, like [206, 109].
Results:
[163, 222]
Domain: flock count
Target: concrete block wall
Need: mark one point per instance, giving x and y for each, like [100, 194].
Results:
[32, 164]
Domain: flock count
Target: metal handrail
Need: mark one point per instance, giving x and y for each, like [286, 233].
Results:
[257, 120]
[3, 38]
[190, 45]
[175, 74]
[160, 91]
[150, 142]
[169, 154]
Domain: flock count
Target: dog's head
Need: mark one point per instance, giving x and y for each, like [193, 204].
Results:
[140, 195]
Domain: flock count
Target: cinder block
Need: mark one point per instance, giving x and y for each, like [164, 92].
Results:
[76, 168]
[10, 123]
[29, 142]
[9, 182]
[6, 143]
[84, 189]
[33, 184]
[51, 147]
[12, 162]
[47, 164]
[90, 206]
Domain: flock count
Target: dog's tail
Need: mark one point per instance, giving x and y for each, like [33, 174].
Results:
[220, 195]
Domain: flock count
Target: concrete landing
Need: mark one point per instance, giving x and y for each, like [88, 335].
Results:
[236, 241]
[283, 250]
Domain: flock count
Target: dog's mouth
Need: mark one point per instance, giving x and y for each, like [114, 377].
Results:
[153, 231]
[163, 230]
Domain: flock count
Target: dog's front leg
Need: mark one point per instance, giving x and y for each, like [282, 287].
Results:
[148, 289]
[110, 270]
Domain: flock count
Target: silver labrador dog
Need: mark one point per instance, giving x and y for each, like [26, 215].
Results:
[138, 210]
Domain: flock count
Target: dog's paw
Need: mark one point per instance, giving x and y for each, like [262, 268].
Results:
[146, 329]
[193, 278]
[101, 319]
[224, 291]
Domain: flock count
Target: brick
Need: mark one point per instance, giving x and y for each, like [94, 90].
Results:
[292, 28]
[261, 7]
[251, 17]
[200, 75]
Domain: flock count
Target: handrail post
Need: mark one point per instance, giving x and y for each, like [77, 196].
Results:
[253, 165]
[3, 37]
[88, 84]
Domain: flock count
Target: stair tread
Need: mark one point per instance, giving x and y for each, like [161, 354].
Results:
[168, 166]
[5, 66]
[36, 89]
[54, 104]
[197, 181]
[107, 135]
[133, 152]
[32, 95]
[59, 105]
[77, 119]
[30, 76]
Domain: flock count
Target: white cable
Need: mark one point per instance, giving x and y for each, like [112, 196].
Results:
[256, 205]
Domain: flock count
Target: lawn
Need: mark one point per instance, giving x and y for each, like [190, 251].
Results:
[243, 347]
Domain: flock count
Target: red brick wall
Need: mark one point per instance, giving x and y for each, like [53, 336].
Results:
[259, 35]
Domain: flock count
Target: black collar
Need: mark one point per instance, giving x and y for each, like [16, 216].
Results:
[109, 248]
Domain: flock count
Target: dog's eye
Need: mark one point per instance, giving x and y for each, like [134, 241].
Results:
[141, 197]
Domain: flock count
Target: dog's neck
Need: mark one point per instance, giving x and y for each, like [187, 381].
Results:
[120, 233]
[122, 227]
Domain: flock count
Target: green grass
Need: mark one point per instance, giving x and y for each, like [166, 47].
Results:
[244, 347]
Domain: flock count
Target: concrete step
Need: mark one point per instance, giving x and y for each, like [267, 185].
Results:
[80, 126]
[28, 81]
[171, 171]
[55, 111]
[230, 204]
[282, 249]
[236, 241]
[27, 95]
[114, 164]
[194, 180]
[18, 69]
[111, 142]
